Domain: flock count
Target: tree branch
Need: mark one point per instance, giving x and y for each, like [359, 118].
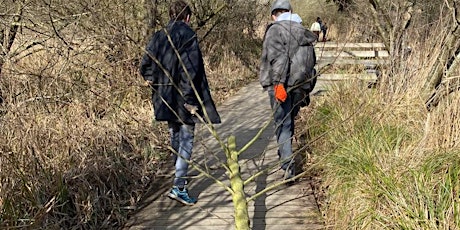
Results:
[203, 22]
[442, 92]
[382, 31]
[2, 37]
[436, 74]
[13, 30]
[2, 52]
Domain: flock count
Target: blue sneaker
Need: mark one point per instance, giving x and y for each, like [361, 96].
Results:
[181, 196]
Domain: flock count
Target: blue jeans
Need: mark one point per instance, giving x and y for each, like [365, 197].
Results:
[182, 136]
[284, 114]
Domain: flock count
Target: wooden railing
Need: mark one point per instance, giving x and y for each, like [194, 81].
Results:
[334, 59]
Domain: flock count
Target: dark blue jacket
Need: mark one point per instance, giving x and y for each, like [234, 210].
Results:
[173, 78]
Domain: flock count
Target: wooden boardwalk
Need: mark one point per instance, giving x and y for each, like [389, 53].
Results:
[287, 207]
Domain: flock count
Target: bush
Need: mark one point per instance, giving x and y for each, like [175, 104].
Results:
[79, 147]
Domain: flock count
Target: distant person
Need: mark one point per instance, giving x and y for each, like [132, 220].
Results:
[287, 74]
[318, 19]
[316, 28]
[174, 78]
[324, 31]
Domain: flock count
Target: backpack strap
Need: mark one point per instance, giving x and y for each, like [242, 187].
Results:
[290, 54]
[266, 30]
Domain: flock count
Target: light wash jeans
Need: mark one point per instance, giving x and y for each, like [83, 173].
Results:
[284, 114]
[182, 136]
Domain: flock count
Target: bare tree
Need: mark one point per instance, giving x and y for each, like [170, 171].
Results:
[343, 5]
[400, 22]
[441, 77]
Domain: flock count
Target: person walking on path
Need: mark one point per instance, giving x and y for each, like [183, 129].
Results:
[173, 67]
[316, 27]
[287, 74]
[324, 31]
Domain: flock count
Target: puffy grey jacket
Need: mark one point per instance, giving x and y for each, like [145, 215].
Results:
[288, 55]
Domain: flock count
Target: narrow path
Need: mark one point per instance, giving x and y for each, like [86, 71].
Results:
[287, 207]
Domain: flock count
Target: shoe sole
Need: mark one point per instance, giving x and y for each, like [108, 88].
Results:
[176, 198]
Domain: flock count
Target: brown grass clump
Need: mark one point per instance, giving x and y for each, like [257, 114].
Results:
[443, 127]
[78, 146]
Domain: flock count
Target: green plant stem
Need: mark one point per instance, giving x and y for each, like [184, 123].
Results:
[236, 182]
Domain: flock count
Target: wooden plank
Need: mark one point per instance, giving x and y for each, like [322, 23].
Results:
[230, 227]
[275, 211]
[349, 45]
[169, 227]
[226, 214]
[353, 54]
[297, 200]
[323, 61]
[273, 199]
[341, 77]
[211, 220]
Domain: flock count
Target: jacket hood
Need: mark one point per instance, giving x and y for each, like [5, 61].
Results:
[289, 17]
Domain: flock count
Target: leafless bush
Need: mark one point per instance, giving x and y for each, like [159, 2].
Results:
[78, 145]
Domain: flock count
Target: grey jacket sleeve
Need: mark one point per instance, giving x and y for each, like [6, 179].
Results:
[264, 74]
[277, 54]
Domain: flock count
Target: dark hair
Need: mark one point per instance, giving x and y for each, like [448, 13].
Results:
[277, 12]
[179, 10]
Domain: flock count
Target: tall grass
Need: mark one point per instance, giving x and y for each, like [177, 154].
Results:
[377, 168]
[73, 143]
[385, 161]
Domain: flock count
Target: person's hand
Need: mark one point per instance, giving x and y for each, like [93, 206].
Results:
[191, 108]
[280, 93]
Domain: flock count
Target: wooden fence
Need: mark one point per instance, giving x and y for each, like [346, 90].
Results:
[334, 59]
